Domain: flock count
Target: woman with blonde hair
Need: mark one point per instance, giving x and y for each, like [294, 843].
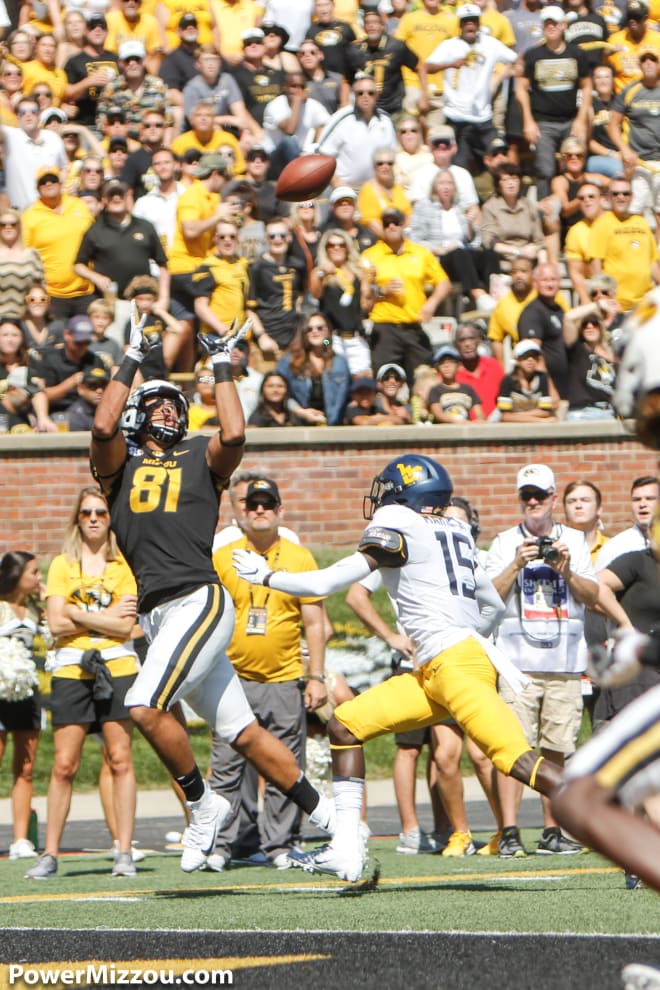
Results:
[20, 266]
[345, 294]
[91, 604]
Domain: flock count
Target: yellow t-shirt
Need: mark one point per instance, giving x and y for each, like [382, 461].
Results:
[372, 202]
[234, 19]
[34, 74]
[423, 32]
[576, 246]
[417, 266]
[504, 318]
[275, 656]
[67, 580]
[232, 282]
[625, 63]
[176, 9]
[146, 29]
[57, 236]
[196, 203]
[627, 249]
[184, 142]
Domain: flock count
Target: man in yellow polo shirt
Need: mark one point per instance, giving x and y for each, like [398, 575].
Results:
[266, 653]
[400, 272]
[54, 225]
[622, 245]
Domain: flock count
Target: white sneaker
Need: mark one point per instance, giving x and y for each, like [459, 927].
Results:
[324, 815]
[215, 863]
[638, 977]
[136, 854]
[282, 861]
[415, 841]
[22, 849]
[124, 865]
[208, 815]
[328, 859]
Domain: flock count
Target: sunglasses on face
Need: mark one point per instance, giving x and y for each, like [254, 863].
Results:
[276, 236]
[600, 292]
[409, 130]
[365, 92]
[533, 493]
[8, 223]
[88, 513]
[587, 196]
[265, 503]
[336, 244]
[391, 223]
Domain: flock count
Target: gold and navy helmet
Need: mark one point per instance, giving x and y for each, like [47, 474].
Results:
[413, 480]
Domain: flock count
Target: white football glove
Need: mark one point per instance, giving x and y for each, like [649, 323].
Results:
[219, 348]
[250, 566]
[138, 346]
[617, 662]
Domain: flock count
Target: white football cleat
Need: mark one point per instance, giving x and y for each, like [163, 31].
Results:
[208, 816]
[329, 859]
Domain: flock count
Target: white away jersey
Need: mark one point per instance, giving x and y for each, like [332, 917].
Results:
[434, 591]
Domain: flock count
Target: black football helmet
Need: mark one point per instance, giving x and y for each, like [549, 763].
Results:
[412, 480]
[136, 417]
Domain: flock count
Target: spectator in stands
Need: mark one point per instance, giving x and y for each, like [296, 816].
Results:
[128, 24]
[117, 157]
[40, 327]
[290, 19]
[496, 154]
[392, 381]
[272, 407]
[101, 314]
[205, 136]
[583, 501]
[510, 224]
[292, 123]
[423, 29]
[622, 245]
[439, 225]
[20, 266]
[644, 493]
[21, 396]
[54, 226]
[91, 605]
[327, 88]
[162, 332]
[629, 42]
[259, 83]
[591, 370]
[20, 45]
[481, 372]
[80, 414]
[319, 380]
[212, 85]
[158, 206]
[381, 193]
[354, 132]
[61, 369]
[90, 70]
[304, 221]
[137, 172]
[343, 215]
[341, 285]
[601, 293]
[503, 324]
[449, 400]
[526, 394]
[134, 90]
[11, 92]
[412, 153]
[442, 141]
[576, 247]
[276, 286]
[25, 149]
[221, 283]
[178, 67]
[170, 14]
[542, 320]
[603, 155]
[257, 161]
[42, 69]
[390, 55]
[401, 273]
[554, 94]
[333, 36]
[565, 208]
[586, 29]
[276, 56]
[634, 130]
[425, 378]
[241, 199]
[366, 407]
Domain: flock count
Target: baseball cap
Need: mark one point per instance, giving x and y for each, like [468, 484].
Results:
[81, 329]
[52, 113]
[114, 186]
[188, 20]
[269, 27]
[252, 34]
[342, 192]
[131, 49]
[446, 351]
[116, 113]
[96, 20]
[118, 142]
[468, 11]
[96, 376]
[442, 135]
[47, 172]
[647, 52]
[257, 151]
[553, 13]
[394, 215]
[536, 476]
[498, 146]
[636, 9]
[386, 368]
[211, 162]
[367, 383]
[524, 348]
[262, 486]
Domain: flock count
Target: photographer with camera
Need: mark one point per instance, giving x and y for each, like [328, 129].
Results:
[542, 571]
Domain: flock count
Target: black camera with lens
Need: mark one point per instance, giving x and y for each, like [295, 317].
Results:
[547, 552]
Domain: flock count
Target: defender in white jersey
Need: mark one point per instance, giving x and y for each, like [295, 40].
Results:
[427, 563]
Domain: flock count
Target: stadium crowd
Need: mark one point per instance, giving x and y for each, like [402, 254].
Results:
[496, 185]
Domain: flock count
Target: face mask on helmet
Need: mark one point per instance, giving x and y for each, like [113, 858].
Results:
[413, 480]
[140, 408]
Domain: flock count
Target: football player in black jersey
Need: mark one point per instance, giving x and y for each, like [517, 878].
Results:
[164, 489]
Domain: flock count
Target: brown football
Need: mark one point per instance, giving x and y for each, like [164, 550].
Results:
[305, 177]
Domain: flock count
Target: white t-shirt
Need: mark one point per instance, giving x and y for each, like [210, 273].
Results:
[467, 91]
[23, 156]
[314, 115]
[625, 542]
[543, 623]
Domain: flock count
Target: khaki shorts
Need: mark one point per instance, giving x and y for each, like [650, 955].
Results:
[549, 710]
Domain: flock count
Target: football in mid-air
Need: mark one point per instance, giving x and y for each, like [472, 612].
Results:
[305, 177]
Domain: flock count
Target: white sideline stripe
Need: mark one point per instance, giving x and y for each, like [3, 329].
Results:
[332, 931]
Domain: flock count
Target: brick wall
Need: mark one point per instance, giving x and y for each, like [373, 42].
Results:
[323, 474]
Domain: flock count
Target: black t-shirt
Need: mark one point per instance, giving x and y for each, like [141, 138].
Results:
[81, 66]
[263, 417]
[341, 308]
[591, 378]
[258, 87]
[457, 402]
[121, 251]
[589, 32]
[544, 321]
[600, 121]
[385, 63]
[513, 398]
[178, 68]
[55, 366]
[274, 292]
[135, 166]
[554, 81]
[164, 512]
[333, 39]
